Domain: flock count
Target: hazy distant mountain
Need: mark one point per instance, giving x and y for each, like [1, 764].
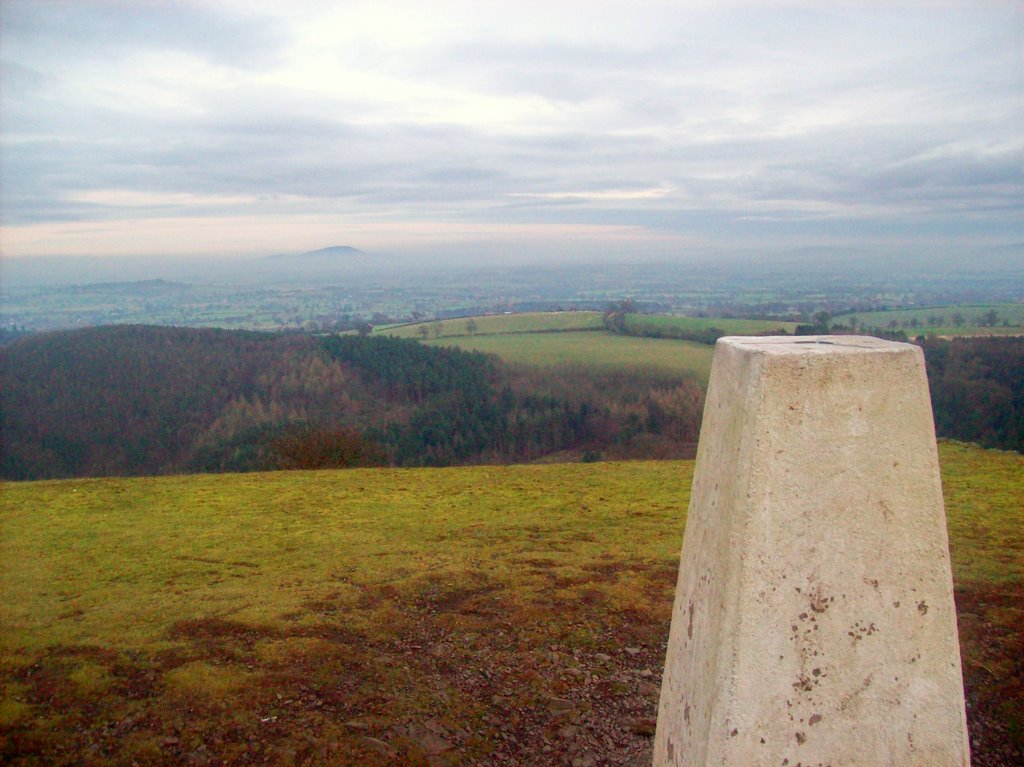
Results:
[323, 254]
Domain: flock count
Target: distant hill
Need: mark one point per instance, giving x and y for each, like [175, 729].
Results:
[323, 254]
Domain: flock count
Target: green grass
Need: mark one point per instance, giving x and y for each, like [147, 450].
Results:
[602, 350]
[732, 327]
[939, 320]
[529, 322]
[253, 617]
[579, 339]
[984, 493]
[252, 614]
[566, 338]
[92, 560]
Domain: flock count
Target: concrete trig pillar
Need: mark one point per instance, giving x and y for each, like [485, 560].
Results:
[814, 621]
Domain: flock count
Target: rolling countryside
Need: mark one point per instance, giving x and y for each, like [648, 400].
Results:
[356, 358]
[476, 614]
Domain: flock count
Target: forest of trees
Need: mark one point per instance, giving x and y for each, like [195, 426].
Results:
[977, 389]
[131, 400]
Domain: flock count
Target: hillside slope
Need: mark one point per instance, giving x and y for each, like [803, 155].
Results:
[482, 615]
[135, 400]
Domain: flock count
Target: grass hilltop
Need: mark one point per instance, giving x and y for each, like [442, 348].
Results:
[462, 616]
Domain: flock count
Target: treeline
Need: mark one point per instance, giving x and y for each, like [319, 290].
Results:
[977, 389]
[708, 335]
[130, 400]
[624, 318]
[10, 333]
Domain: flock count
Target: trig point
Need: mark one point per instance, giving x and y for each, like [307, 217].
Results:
[814, 622]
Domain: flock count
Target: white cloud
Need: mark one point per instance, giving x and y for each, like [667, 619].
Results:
[132, 198]
[654, 116]
[602, 195]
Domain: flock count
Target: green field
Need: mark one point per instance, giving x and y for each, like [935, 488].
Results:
[579, 339]
[939, 320]
[373, 617]
[565, 338]
[490, 324]
[551, 322]
[732, 327]
[601, 350]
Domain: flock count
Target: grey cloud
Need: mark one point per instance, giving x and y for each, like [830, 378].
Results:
[427, 166]
[946, 181]
[320, 159]
[686, 115]
[635, 85]
[555, 72]
[962, 169]
[21, 82]
[99, 29]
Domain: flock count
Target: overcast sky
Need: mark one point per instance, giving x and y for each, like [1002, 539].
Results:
[628, 127]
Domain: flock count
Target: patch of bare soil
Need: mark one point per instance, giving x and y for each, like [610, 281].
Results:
[463, 677]
[991, 622]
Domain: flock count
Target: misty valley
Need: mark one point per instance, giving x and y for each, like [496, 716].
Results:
[318, 293]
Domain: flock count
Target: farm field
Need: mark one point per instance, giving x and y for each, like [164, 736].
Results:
[940, 320]
[483, 615]
[732, 327]
[565, 338]
[528, 322]
[603, 350]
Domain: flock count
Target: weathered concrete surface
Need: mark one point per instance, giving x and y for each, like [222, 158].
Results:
[814, 620]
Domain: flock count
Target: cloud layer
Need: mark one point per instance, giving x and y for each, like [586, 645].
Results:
[391, 125]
